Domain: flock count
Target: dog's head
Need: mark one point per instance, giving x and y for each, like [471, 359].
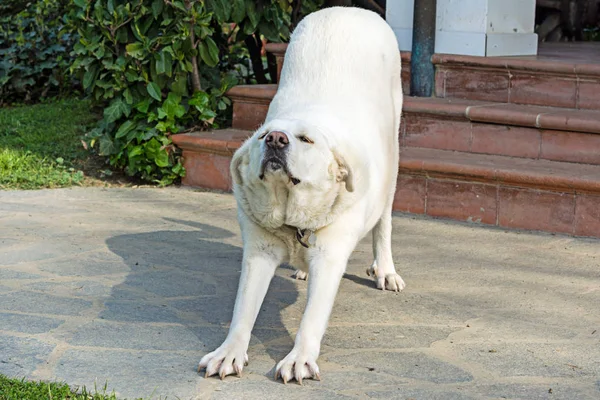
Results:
[296, 154]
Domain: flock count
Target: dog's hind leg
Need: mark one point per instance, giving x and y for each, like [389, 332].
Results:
[298, 262]
[300, 275]
[383, 270]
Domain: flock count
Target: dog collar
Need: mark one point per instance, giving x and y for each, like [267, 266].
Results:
[306, 237]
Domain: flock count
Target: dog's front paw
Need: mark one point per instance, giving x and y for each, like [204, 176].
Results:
[386, 281]
[229, 358]
[298, 366]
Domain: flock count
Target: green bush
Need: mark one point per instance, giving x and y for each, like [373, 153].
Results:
[34, 50]
[163, 66]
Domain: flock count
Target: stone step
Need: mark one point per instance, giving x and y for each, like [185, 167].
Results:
[562, 75]
[206, 156]
[504, 191]
[484, 127]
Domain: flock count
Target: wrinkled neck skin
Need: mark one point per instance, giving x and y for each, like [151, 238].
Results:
[276, 202]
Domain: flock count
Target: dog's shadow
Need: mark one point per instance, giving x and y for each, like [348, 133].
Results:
[190, 277]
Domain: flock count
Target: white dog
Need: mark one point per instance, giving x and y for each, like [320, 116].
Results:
[317, 177]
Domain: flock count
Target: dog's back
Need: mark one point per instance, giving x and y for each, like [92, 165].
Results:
[338, 55]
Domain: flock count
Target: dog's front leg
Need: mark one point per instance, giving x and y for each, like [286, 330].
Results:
[327, 263]
[263, 253]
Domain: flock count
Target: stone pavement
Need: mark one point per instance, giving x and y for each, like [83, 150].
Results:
[133, 286]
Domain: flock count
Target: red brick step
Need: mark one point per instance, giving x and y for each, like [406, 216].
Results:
[549, 133]
[496, 190]
[562, 75]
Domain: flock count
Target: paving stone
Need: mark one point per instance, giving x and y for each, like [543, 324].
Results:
[37, 251]
[42, 303]
[359, 382]
[533, 359]
[502, 325]
[124, 292]
[133, 311]
[6, 274]
[28, 323]
[135, 336]
[552, 391]
[382, 336]
[19, 357]
[7, 242]
[409, 393]
[182, 250]
[140, 374]
[171, 283]
[270, 315]
[269, 389]
[406, 365]
[212, 337]
[84, 289]
[165, 263]
[94, 263]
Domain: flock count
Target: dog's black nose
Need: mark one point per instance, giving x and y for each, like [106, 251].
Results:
[277, 140]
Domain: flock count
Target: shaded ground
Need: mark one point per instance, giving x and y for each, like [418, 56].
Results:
[133, 286]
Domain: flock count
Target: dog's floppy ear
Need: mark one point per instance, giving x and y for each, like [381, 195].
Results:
[344, 171]
[234, 167]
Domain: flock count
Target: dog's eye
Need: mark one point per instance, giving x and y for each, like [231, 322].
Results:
[305, 140]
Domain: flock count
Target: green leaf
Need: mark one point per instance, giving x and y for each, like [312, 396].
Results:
[131, 76]
[136, 50]
[81, 3]
[122, 35]
[154, 91]
[106, 146]
[239, 11]
[164, 63]
[135, 151]
[157, 8]
[180, 85]
[213, 50]
[179, 4]
[172, 107]
[90, 76]
[252, 14]
[209, 52]
[163, 126]
[115, 110]
[99, 53]
[200, 100]
[143, 105]
[128, 96]
[269, 31]
[220, 8]
[162, 159]
[124, 129]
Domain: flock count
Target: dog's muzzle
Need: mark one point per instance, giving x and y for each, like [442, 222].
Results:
[275, 154]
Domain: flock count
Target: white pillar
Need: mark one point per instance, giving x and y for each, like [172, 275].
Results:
[472, 27]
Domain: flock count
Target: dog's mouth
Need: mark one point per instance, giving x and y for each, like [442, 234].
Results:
[274, 164]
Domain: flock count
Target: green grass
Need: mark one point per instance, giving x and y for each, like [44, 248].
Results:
[20, 389]
[40, 145]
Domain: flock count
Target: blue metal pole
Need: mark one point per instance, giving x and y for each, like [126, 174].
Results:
[422, 74]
